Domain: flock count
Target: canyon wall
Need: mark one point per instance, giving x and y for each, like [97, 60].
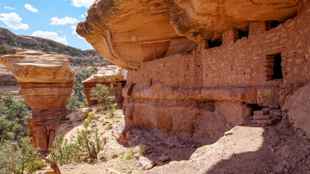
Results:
[45, 82]
[223, 71]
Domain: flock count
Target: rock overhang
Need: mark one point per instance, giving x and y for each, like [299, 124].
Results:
[129, 33]
[30, 66]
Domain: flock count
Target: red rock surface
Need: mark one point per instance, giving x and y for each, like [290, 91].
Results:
[131, 32]
[46, 82]
[250, 57]
[298, 109]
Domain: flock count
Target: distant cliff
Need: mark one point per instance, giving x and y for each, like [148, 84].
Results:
[79, 57]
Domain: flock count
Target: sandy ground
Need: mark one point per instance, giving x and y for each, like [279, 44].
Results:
[243, 150]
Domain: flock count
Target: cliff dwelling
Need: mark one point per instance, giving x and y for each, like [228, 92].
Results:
[202, 87]
[208, 66]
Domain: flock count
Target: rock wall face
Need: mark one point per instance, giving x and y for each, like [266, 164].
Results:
[45, 83]
[177, 92]
[245, 63]
[298, 109]
[6, 78]
[111, 76]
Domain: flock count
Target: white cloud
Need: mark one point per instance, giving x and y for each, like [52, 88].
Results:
[84, 15]
[63, 21]
[50, 35]
[9, 8]
[82, 3]
[31, 8]
[13, 20]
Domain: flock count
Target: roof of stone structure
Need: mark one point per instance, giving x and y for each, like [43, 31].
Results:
[107, 74]
[33, 66]
[130, 32]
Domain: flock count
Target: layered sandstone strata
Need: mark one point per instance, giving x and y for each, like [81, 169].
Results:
[45, 83]
[250, 56]
[111, 76]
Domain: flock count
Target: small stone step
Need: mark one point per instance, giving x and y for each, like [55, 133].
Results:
[262, 117]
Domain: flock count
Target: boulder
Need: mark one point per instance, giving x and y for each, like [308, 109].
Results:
[46, 82]
[298, 107]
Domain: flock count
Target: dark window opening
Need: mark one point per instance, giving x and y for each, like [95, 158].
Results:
[211, 43]
[123, 83]
[242, 33]
[274, 67]
[272, 24]
[254, 107]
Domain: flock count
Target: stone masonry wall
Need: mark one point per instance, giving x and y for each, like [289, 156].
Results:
[203, 93]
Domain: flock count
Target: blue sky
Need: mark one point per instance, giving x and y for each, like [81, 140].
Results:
[53, 19]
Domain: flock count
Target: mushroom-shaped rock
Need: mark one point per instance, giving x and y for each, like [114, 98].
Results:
[46, 83]
[111, 76]
[129, 33]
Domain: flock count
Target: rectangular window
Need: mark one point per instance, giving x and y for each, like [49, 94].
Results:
[272, 24]
[211, 43]
[274, 67]
[242, 33]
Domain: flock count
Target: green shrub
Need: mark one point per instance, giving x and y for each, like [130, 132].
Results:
[19, 158]
[16, 153]
[105, 98]
[64, 152]
[74, 103]
[13, 118]
[128, 155]
[85, 147]
[3, 50]
[77, 99]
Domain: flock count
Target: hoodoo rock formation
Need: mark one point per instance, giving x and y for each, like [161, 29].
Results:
[45, 83]
[198, 68]
[111, 76]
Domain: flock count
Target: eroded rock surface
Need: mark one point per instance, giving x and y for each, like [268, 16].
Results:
[131, 32]
[111, 76]
[6, 78]
[46, 82]
[298, 107]
[198, 68]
